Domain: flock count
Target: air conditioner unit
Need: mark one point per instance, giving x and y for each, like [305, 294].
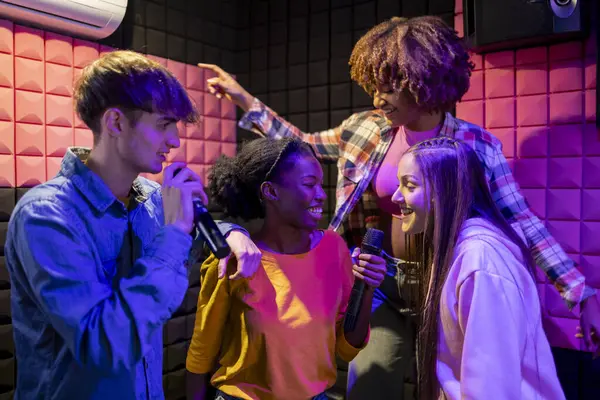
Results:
[93, 19]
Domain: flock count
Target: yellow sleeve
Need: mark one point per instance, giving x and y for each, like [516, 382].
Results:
[345, 350]
[214, 302]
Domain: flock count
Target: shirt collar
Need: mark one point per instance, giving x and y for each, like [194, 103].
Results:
[450, 126]
[91, 186]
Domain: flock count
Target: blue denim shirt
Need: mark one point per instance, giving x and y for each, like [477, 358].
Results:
[93, 283]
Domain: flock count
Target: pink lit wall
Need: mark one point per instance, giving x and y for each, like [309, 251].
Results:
[540, 102]
[37, 121]
[37, 124]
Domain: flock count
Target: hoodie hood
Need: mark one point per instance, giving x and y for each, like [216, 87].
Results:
[482, 229]
[490, 316]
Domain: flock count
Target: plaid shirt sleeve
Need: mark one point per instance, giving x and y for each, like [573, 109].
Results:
[546, 252]
[264, 121]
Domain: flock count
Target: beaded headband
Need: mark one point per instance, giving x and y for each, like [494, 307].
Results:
[281, 152]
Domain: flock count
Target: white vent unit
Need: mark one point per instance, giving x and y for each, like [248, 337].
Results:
[93, 19]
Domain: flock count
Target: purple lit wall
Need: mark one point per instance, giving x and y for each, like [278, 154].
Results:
[541, 103]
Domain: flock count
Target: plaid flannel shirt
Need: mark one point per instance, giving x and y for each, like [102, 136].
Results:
[359, 146]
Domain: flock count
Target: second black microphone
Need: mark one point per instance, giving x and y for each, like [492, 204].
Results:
[371, 244]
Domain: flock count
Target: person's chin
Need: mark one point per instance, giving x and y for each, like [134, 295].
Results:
[392, 119]
[310, 224]
[411, 229]
[155, 168]
[394, 123]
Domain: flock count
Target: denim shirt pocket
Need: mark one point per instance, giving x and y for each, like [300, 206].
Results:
[147, 225]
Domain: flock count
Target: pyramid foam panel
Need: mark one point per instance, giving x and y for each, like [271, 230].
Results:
[540, 102]
[38, 124]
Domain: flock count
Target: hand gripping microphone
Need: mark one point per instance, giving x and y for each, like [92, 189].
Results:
[208, 228]
[371, 244]
[204, 223]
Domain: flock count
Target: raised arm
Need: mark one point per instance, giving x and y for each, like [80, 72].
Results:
[546, 251]
[262, 120]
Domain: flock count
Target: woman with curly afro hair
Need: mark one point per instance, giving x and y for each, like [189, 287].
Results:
[416, 70]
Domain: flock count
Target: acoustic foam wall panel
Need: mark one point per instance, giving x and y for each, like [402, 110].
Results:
[38, 124]
[293, 55]
[540, 102]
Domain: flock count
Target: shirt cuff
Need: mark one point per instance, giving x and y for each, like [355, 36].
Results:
[588, 291]
[227, 227]
[253, 116]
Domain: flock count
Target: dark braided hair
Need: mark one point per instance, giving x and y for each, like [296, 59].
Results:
[234, 182]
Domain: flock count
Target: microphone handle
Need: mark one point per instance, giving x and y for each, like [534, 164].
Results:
[356, 297]
[209, 230]
[354, 306]
[207, 226]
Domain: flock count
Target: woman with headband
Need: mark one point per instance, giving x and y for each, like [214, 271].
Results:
[276, 335]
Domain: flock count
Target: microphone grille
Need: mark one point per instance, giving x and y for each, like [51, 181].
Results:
[373, 238]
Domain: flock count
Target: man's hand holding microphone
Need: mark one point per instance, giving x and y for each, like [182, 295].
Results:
[181, 190]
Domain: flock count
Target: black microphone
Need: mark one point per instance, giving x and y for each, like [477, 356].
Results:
[207, 226]
[204, 223]
[371, 244]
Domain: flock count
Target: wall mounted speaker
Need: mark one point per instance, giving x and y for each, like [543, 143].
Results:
[492, 25]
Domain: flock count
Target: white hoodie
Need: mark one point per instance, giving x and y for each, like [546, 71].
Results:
[491, 341]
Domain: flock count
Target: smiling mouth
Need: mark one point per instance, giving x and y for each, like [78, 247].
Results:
[404, 212]
[316, 211]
